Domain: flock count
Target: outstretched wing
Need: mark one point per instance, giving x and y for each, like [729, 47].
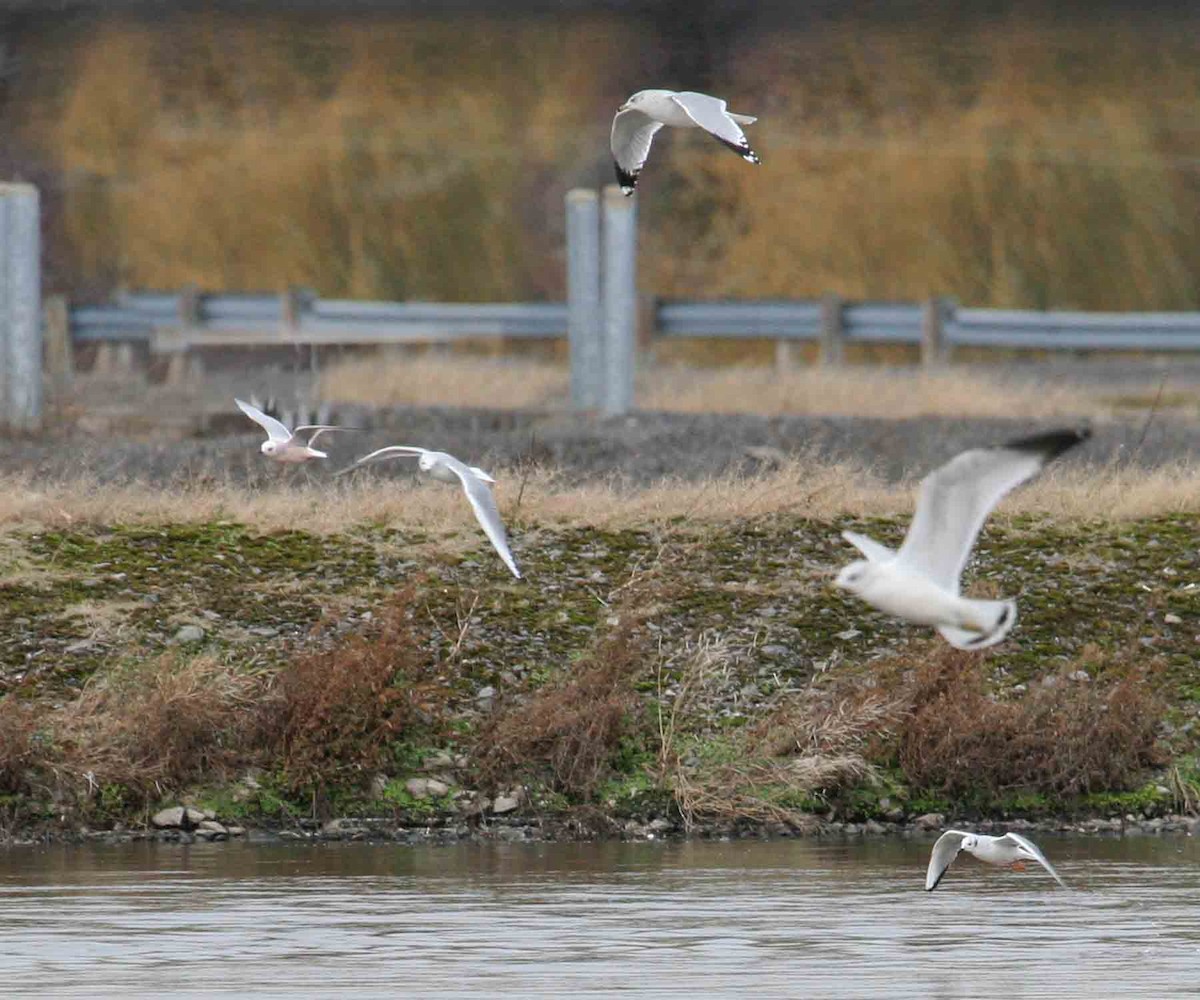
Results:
[632, 133]
[873, 550]
[382, 455]
[710, 114]
[275, 430]
[945, 850]
[1036, 854]
[486, 513]
[956, 499]
[320, 429]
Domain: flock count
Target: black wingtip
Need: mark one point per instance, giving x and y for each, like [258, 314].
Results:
[742, 149]
[1051, 444]
[627, 180]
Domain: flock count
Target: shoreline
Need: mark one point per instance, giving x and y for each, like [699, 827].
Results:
[450, 830]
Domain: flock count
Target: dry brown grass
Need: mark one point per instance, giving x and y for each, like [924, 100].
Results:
[441, 381]
[806, 487]
[811, 743]
[348, 155]
[329, 716]
[1033, 161]
[861, 391]
[978, 161]
[1063, 736]
[155, 726]
[567, 733]
[18, 748]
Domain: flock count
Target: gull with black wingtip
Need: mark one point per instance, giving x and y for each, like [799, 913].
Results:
[640, 117]
[920, 582]
[1011, 850]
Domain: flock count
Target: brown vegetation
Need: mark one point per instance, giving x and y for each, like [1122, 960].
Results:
[830, 490]
[155, 726]
[1029, 162]
[18, 749]
[1062, 737]
[566, 734]
[330, 716]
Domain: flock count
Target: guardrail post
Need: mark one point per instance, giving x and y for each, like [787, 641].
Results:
[183, 365]
[833, 343]
[933, 340]
[585, 344]
[56, 328]
[620, 299]
[785, 355]
[20, 307]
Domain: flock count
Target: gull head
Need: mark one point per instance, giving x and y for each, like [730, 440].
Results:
[426, 462]
[855, 577]
[969, 843]
[270, 447]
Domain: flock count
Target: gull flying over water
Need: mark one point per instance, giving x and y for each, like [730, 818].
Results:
[283, 445]
[448, 469]
[647, 111]
[1012, 850]
[920, 582]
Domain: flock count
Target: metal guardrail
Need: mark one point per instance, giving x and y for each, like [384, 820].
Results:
[169, 323]
[264, 320]
[936, 326]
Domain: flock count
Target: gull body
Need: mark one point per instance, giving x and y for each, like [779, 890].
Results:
[640, 117]
[445, 468]
[1011, 849]
[283, 445]
[920, 581]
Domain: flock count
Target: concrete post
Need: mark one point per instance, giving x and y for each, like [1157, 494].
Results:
[584, 326]
[620, 299]
[20, 307]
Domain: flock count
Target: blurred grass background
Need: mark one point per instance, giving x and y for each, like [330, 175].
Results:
[1012, 159]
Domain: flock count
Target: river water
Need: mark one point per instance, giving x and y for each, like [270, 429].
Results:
[783, 918]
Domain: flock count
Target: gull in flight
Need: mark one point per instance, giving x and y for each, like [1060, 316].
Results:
[647, 111]
[920, 582]
[1012, 850]
[448, 469]
[283, 445]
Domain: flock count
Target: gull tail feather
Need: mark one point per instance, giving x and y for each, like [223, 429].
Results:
[1003, 615]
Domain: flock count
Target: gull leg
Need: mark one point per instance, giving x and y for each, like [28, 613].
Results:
[1018, 865]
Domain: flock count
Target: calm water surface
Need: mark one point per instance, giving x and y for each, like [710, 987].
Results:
[775, 919]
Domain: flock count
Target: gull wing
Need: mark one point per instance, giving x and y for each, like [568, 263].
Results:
[945, 850]
[382, 455]
[632, 133]
[873, 550]
[1035, 852]
[320, 429]
[481, 474]
[710, 114]
[275, 430]
[486, 513]
[956, 499]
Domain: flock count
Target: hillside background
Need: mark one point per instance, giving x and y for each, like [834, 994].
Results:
[1005, 157]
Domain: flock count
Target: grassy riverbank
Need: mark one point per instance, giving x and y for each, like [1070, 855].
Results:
[692, 668]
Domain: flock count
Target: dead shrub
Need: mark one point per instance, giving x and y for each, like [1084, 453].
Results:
[18, 746]
[331, 714]
[158, 725]
[1062, 737]
[567, 733]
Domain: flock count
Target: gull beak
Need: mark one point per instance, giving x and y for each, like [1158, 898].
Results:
[623, 107]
